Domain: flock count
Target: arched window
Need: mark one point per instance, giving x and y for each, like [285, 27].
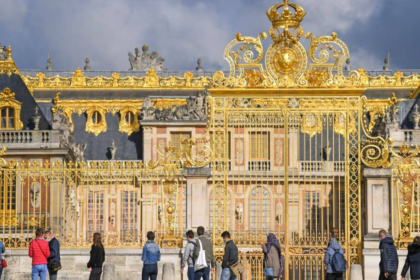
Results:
[7, 118]
[217, 209]
[259, 208]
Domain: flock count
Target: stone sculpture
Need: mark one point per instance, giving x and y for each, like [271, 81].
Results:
[199, 68]
[87, 65]
[147, 109]
[3, 52]
[145, 61]
[49, 64]
[35, 194]
[112, 150]
[61, 123]
[239, 213]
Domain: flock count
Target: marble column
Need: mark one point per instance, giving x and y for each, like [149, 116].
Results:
[197, 197]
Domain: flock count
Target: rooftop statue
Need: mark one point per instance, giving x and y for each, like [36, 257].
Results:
[145, 61]
[3, 52]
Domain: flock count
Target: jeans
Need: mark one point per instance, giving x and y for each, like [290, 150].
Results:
[190, 273]
[95, 274]
[202, 273]
[1, 271]
[39, 270]
[149, 270]
[53, 274]
[334, 276]
[227, 274]
[391, 276]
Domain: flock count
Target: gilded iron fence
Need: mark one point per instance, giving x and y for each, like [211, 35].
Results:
[309, 182]
[121, 199]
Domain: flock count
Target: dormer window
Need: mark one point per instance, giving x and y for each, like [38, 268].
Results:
[7, 118]
[96, 122]
[96, 118]
[129, 120]
[9, 111]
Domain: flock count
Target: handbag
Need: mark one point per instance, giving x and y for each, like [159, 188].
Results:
[269, 272]
[3, 263]
[201, 262]
[237, 268]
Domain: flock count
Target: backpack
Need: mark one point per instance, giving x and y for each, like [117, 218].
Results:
[338, 262]
[191, 251]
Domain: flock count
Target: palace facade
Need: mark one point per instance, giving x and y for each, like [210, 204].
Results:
[290, 141]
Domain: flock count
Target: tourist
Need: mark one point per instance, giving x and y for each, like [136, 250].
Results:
[230, 257]
[413, 260]
[388, 266]
[188, 255]
[203, 251]
[334, 258]
[2, 251]
[273, 264]
[39, 251]
[97, 257]
[150, 257]
[54, 262]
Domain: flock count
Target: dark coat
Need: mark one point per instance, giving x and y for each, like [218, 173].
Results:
[231, 254]
[97, 257]
[412, 261]
[389, 256]
[54, 251]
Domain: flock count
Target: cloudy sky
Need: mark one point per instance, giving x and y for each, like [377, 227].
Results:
[184, 30]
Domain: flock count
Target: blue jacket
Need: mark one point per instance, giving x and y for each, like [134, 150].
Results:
[389, 256]
[412, 261]
[2, 249]
[151, 253]
[329, 253]
[54, 251]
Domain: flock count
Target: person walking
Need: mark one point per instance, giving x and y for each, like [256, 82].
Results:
[230, 257]
[203, 243]
[334, 258]
[272, 257]
[2, 251]
[39, 251]
[54, 261]
[188, 255]
[388, 266]
[97, 257]
[150, 257]
[412, 261]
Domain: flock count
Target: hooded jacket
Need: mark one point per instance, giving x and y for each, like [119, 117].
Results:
[412, 261]
[389, 256]
[333, 246]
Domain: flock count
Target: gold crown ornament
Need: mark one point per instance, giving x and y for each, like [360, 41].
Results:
[286, 19]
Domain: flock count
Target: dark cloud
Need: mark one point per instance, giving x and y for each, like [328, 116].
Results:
[183, 30]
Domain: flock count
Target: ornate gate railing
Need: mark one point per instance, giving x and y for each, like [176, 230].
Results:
[310, 182]
[121, 199]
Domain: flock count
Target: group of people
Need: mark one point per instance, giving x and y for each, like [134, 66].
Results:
[45, 253]
[389, 258]
[199, 259]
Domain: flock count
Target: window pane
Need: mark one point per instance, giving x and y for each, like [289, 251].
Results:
[260, 204]
[129, 118]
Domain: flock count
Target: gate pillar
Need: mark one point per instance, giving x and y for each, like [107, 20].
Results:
[197, 197]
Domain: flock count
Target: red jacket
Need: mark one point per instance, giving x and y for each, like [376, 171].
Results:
[39, 251]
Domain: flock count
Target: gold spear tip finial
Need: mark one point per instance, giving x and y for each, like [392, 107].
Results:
[286, 19]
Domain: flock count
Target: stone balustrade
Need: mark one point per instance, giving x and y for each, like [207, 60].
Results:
[30, 139]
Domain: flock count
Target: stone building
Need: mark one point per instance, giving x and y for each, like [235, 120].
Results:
[295, 144]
